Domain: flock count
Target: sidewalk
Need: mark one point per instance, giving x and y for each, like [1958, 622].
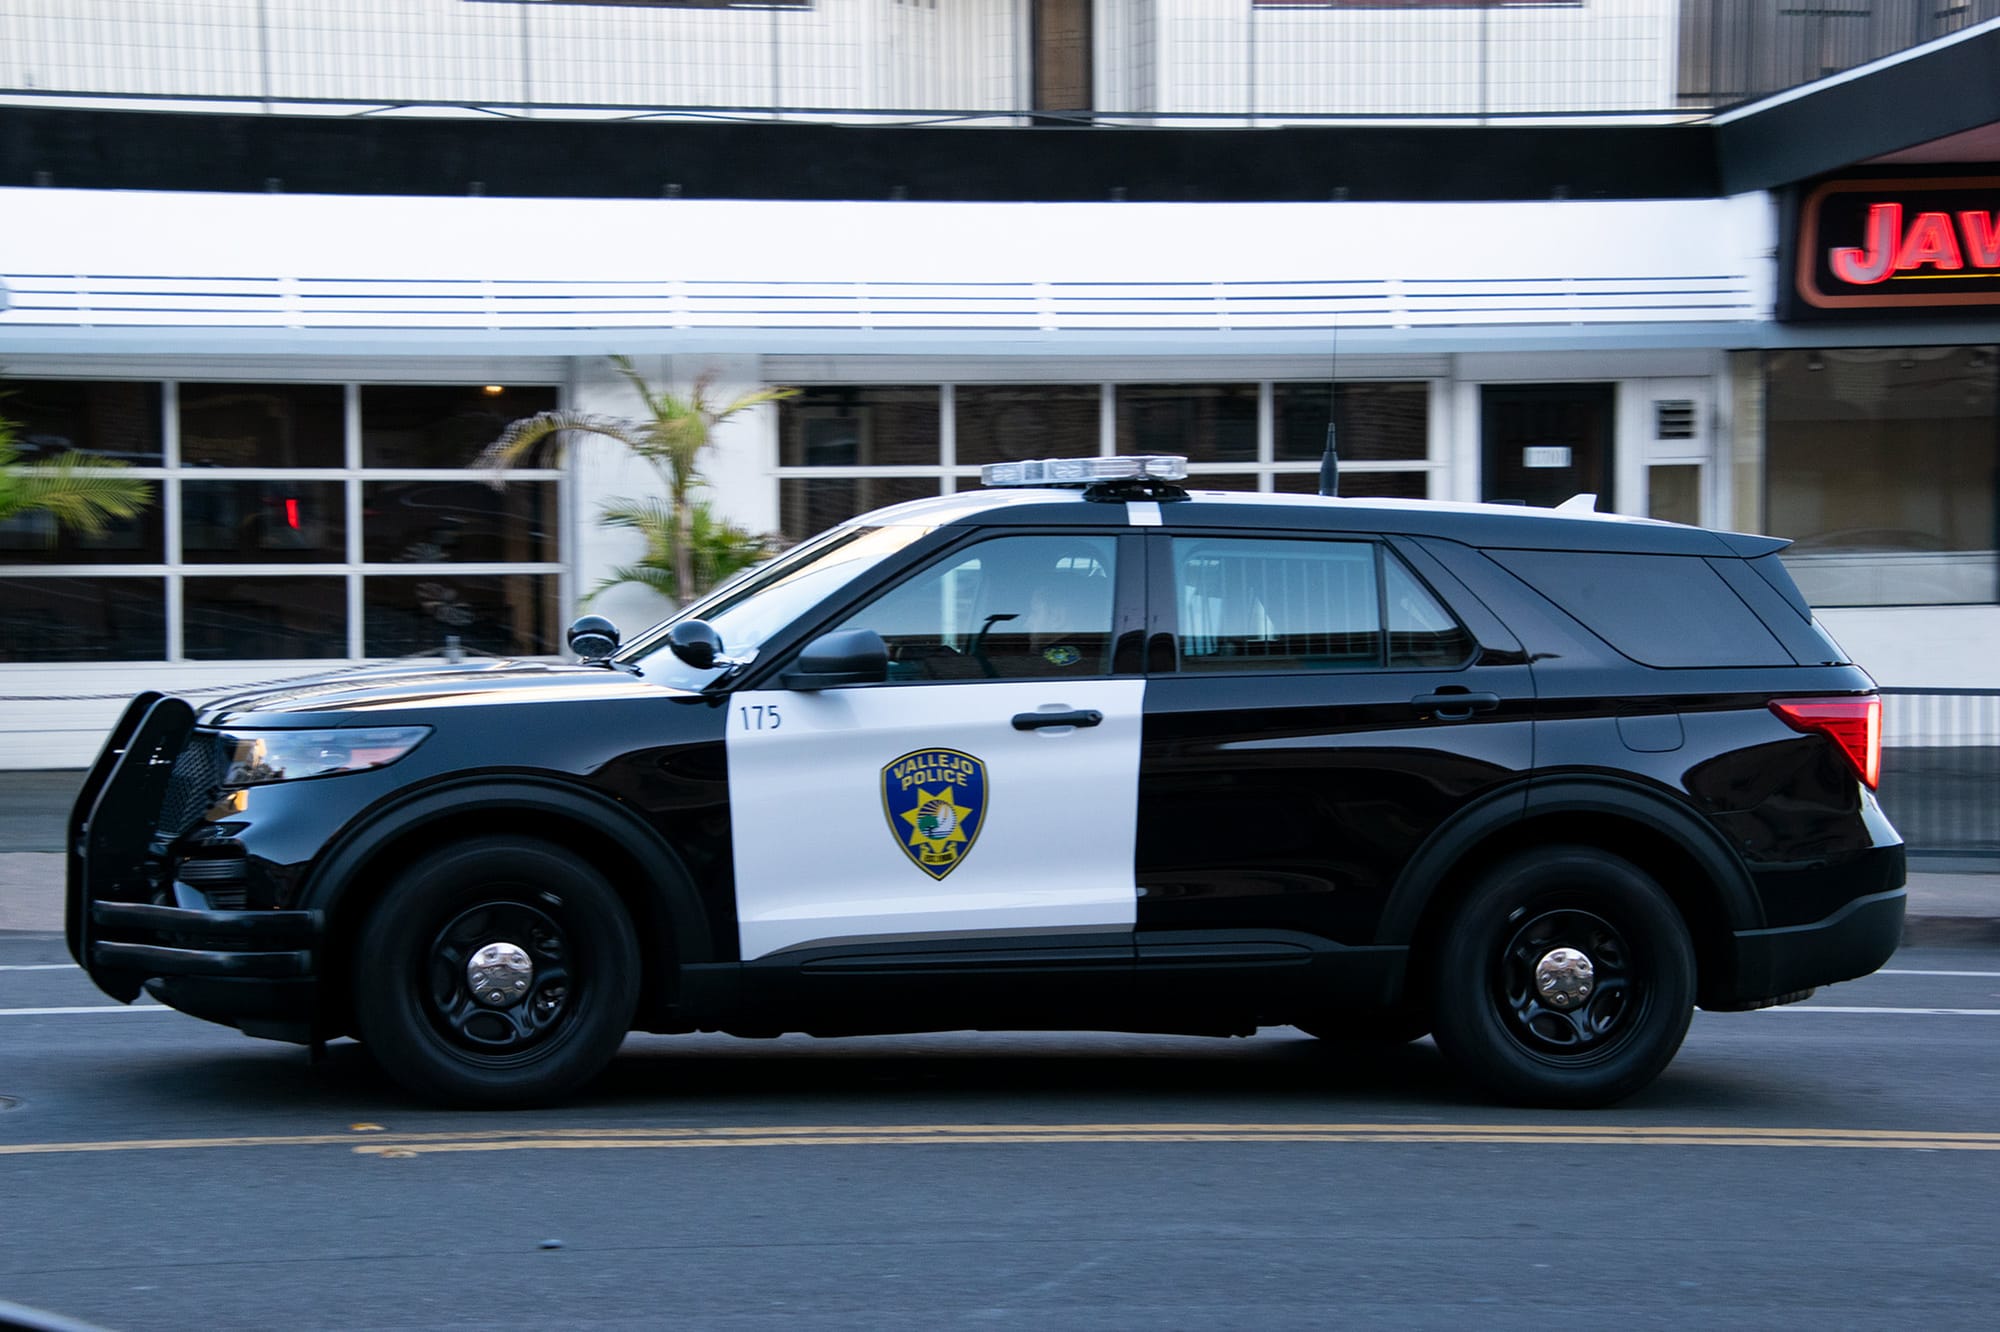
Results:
[1946, 908]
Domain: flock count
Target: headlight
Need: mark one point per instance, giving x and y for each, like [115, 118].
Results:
[256, 757]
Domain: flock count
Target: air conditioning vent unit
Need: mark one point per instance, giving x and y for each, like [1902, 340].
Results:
[1674, 418]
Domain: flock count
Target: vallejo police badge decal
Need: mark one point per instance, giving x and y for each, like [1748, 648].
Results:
[935, 800]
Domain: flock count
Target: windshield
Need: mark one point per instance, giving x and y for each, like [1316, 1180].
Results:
[751, 609]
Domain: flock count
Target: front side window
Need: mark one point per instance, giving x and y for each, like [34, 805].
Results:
[1251, 604]
[1013, 608]
[748, 610]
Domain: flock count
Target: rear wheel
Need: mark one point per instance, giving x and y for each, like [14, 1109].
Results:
[497, 972]
[1567, 978]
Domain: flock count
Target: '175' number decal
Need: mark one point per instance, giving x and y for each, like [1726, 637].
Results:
[760, 717]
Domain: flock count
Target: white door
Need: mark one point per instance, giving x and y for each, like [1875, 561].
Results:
[943, 803]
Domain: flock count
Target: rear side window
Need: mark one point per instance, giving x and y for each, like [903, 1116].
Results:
[1247, 603]
[1659, 610]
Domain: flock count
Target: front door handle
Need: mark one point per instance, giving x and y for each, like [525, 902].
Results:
[1456, 705]
[1035, 721]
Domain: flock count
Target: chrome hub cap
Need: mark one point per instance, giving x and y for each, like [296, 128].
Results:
[1565, 977]
[500, 974]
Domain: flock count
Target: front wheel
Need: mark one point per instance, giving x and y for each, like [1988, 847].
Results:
[496, 972]
[1567, 978]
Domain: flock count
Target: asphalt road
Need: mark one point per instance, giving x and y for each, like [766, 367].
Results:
[1832, 1165]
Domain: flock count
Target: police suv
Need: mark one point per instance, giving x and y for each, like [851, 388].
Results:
[1088, 750]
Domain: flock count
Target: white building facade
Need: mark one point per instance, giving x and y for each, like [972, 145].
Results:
[308, 378]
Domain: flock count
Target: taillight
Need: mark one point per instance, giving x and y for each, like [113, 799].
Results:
[1854, 724]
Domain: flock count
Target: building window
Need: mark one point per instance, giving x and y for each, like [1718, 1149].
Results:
[846, 449]
[1005, 422]
[290, 522]
[1202, 422]
[1881, 466]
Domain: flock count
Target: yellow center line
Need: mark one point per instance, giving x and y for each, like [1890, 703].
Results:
[1585, 1133]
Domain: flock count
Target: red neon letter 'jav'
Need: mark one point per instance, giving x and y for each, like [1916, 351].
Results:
[1885, 230]
[1982, 238]
[1931, 241]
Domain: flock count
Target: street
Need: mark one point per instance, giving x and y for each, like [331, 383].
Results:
[1827, 1165]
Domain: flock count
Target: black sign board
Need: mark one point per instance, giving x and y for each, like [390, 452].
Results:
[1880, 247]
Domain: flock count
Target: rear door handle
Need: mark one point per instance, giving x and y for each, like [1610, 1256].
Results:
[1035, 721]
[1456, 706]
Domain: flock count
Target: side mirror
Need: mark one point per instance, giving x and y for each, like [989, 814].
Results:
[844, 657]
[696, 643]
[593, 638]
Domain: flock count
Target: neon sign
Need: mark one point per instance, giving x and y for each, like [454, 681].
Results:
[1900, 244]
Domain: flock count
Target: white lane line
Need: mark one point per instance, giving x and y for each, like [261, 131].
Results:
[42, 966]
[1926, 1012]
[92, 1008]
[1889, 971]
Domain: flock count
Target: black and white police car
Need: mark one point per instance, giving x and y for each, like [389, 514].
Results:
[1085, 750]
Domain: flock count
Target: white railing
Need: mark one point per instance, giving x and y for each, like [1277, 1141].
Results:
[57, 300]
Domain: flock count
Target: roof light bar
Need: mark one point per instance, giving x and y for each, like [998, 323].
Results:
[1084, 471]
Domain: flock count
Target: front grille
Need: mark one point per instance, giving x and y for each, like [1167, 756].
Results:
[196, 780]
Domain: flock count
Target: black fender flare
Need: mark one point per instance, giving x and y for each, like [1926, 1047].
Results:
[668, 882]
[1607, 795]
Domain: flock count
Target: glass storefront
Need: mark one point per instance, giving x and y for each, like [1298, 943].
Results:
[846, 449]
[306, 522]
[1880, 465]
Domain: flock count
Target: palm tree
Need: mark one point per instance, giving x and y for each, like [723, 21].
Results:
[688, 549]
[78, 490]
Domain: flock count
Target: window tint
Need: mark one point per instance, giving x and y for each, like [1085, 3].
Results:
[1421, 631]
[1248, 604]
[1661, 610]
[1007, 609]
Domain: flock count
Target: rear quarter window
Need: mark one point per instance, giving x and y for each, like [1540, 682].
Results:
[1659, 610]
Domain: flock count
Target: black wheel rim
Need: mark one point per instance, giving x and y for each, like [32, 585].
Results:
[1581, 1030]
[523, 1023]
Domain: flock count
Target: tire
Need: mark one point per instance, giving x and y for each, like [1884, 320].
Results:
[562, 971]
[1576, 1047]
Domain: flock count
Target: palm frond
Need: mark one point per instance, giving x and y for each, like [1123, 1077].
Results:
[754, 398]
[659, 580]
[717, 548]
[522, 438]
[643, 514]
[688, 549]
[79, 490]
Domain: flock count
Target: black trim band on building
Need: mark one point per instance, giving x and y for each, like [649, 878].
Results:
[158, 150]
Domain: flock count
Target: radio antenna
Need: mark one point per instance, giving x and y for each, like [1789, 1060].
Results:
[1329, 461]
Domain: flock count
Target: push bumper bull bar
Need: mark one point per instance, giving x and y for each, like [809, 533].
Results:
[116, 925]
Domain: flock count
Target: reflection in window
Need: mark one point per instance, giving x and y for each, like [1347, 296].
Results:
[859, 426]
[263, 522]
[441, 426]
[1007, 609]
[1880, 465]
[1248, 604]
[505, 615]
[264, 619]
[83, 619]
[36, 538]
[1006, 422]
[114, 419]
[442, 522]
[1359, 485]
[1421, 631]
[808, 506]
[262, 425]
[1202, 422]
[1386, 422]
